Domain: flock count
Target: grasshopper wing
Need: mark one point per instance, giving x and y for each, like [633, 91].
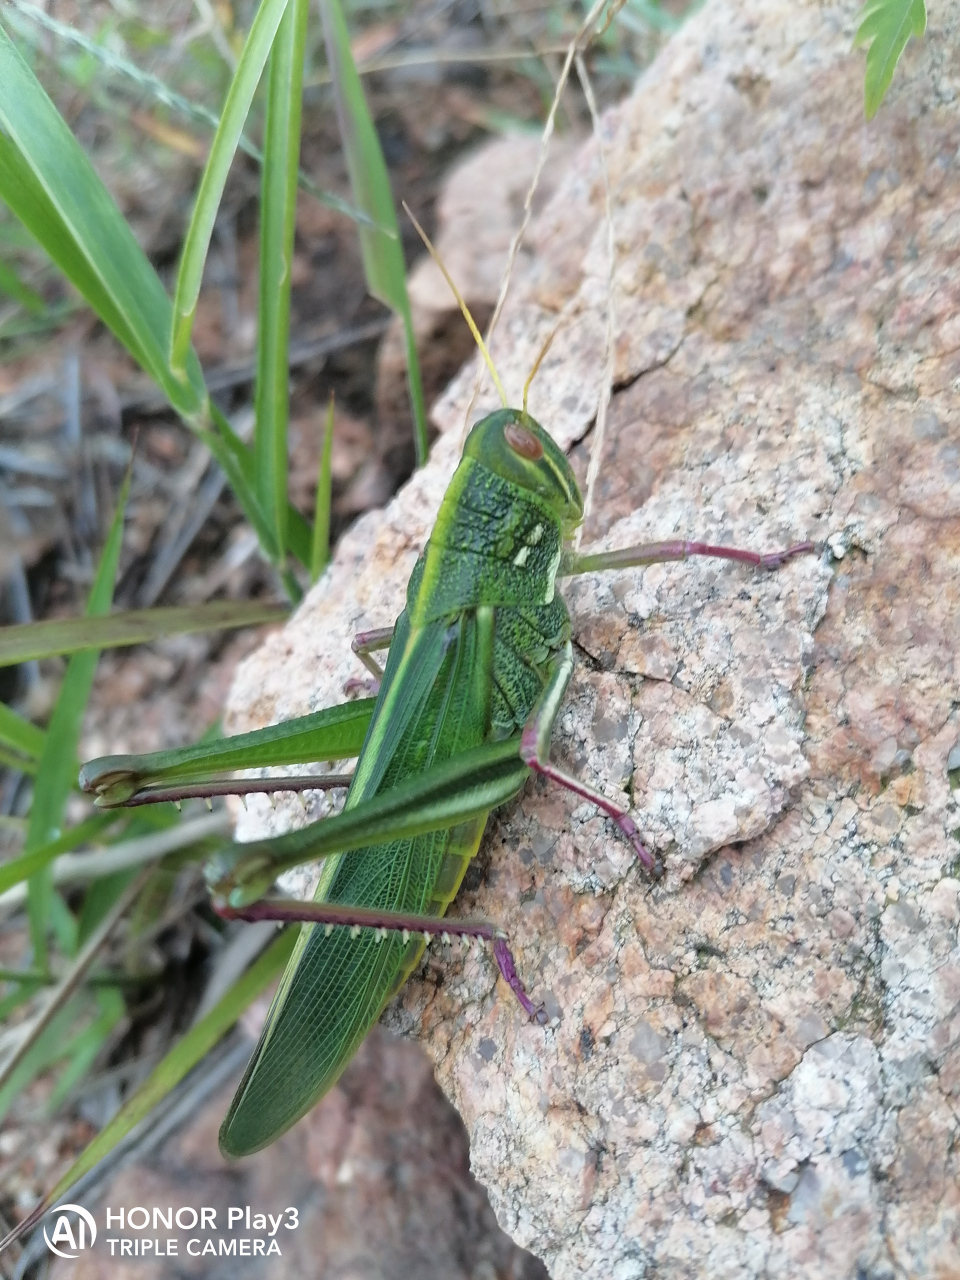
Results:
[336, 985]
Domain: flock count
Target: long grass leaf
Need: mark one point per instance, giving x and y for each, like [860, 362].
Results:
[63, 924]
[240, 466]
[25, 991]
[278, 209]
[22, 764]
[47, 1048]
[320, 556]
[886, 26]
[98, 899]
[51, 186]
[53, 189]
[53, 318]
[171, 1070]
[256, 49]
[383, 261]
[55, 774]
[138, 626]
[83, 1049]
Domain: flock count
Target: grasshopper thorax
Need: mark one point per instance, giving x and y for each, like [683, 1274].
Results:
[502, 523]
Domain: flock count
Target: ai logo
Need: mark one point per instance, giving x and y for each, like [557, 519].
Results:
[71, 1234]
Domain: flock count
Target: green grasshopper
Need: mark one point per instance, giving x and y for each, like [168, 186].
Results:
[478, 664]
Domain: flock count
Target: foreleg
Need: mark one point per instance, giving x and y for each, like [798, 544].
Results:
[662, 552]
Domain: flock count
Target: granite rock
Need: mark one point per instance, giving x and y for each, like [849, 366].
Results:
[752, 1067]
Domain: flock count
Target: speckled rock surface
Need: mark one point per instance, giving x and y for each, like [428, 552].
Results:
[753, 1067]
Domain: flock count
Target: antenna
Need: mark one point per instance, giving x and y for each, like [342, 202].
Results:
[463, 307]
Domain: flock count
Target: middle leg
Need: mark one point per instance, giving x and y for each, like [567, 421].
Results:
[364, 644]
[535, 753]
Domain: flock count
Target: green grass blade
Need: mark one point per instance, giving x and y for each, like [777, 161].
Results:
[23, 764]
[65, 989]
[336, 733]
[25, 991]
[256, 49]
[98, 899]
[13, 287]
[62, 995]
[28, 864]
[51, 186]
[45, 1050]
[239, 464]
[55, 774]
[138, 626]
[20, 734]
[53, 318]
[171, 1070]
[53, 189]
[83, 1049]
[191, 840]
[63, 924]
[382, 252]
[320, 553]
[414, 380]
[652, 15]
[240, 467]
[278, 209]
[886, 26]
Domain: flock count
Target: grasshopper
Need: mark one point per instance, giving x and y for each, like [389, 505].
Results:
[477, 667]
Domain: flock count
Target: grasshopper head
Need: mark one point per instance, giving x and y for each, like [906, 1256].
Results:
[513, 445]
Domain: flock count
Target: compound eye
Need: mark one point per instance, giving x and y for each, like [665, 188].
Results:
[522, 440]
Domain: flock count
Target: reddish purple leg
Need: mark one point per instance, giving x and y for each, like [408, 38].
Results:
[367, 686]
[345, 915]
[661, 552]
[535, 752]
[508, 970]
[365, 643]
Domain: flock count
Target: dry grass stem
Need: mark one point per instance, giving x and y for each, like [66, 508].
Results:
[606, 387]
